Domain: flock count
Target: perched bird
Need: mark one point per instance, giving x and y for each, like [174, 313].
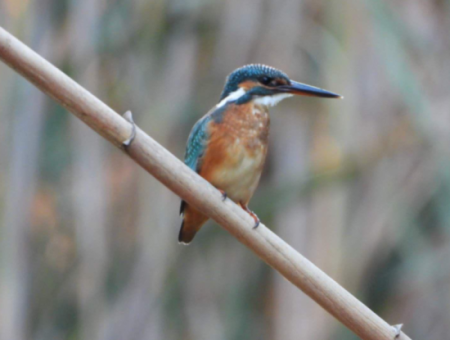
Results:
[228, 146]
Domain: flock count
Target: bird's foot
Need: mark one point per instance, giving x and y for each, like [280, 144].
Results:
[398, 330]
[129, 117]
[252, 214]
[224, 194]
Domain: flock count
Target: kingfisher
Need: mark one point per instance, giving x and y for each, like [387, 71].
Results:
[228, 146]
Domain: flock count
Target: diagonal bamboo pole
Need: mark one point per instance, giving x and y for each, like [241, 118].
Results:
[181, 180]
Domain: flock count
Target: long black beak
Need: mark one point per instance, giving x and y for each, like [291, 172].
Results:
[306, 90]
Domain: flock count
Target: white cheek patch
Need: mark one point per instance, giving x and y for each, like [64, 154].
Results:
[272, 100]
[231, 97]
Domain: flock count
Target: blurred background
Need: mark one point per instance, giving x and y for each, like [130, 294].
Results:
[360, 186]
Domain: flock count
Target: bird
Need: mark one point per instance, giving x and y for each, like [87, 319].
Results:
[228, 145]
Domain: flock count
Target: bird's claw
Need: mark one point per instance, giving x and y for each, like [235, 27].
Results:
[252, 214]
[398, 330]
[129, 117]
[257, 220]
[224, 195]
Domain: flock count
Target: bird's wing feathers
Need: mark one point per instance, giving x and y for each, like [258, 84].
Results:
[196, 146]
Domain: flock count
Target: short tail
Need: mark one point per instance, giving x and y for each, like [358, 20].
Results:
[186, 235]
[193, 220]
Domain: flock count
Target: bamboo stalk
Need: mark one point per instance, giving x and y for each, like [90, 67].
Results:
[188, 185]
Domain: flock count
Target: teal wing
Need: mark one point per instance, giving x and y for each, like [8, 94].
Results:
[196, 146]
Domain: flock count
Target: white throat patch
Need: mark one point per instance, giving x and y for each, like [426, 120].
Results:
[231, 97]
[270, 101]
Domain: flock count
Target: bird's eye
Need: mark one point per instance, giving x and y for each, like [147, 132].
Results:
[265, 80]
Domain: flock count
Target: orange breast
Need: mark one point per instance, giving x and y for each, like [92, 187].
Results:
[236, 152]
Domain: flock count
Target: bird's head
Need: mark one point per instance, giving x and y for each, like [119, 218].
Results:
[265, 85]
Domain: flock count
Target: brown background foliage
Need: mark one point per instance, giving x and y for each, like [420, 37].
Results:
[360, 186]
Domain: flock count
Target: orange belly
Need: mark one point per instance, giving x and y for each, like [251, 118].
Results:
[236, 153]
[237, 172]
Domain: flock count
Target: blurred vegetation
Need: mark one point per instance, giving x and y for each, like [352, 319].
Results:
[359, 186]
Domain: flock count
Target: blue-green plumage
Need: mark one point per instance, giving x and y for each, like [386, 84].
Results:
[196, 145]
[250, 72]
[198, 138]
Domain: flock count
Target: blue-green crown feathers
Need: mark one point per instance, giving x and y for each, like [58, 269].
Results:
[250, 72]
